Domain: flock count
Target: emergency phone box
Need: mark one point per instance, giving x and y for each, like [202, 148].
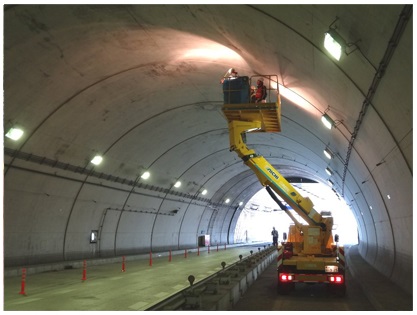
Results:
[236, 90]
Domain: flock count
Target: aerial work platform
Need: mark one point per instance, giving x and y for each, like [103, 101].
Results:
[269, 114]
[238, 105]
[311, 255]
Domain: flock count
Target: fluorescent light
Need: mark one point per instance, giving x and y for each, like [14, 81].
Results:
[328, 153]
[329, 171]
[330, 182]
[327, 121]
[177, 184]
[204, 192]
[334, 43]
[14, 133]
[145, 175]
[97, 160]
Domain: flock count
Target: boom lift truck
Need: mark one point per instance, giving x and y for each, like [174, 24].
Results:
[309, 255]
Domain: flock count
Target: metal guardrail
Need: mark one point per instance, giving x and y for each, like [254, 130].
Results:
[223, 289]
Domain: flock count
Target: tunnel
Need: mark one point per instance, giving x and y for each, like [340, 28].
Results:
[137, 87]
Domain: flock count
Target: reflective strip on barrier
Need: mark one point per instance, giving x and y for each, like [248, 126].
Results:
[280, 256]
[341, 255]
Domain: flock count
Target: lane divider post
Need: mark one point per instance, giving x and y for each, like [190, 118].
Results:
[123, 264]
[23, 284]
[84, 271]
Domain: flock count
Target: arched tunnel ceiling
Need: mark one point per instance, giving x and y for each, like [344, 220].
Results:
[139, 84]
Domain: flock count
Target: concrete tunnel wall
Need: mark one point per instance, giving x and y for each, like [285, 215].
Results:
[139, 85]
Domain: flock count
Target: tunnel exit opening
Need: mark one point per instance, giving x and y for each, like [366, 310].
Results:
[260, 214]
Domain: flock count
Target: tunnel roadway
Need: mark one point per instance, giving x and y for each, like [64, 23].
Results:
[263, 296]
[145, 283]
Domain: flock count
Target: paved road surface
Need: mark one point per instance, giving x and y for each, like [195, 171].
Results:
[263, 296]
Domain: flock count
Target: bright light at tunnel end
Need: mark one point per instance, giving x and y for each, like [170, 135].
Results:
[261, 211]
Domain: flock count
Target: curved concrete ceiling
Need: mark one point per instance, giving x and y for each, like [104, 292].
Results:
[139, 84]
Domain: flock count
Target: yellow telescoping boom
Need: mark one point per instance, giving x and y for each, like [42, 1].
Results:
[313, 239]
[266, 117]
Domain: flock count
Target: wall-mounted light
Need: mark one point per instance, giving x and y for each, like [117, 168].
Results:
[329, 171]
[334, 43]
[204, 192]
[97, 160]
[328, 153]
[14, 133]
[145, 175]
[327, 121]
[93, 236]
[330, 182]
[177, 184]
[227, 200]
[240, 203]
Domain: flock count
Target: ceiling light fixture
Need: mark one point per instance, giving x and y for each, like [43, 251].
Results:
[97, 160]
[328, 153]
[327, 121]
[227, 200]
[334, 43]
[204, 192]
[177, 184]
[330, 182]
[14, 133]
[329, 171]
[145, 175]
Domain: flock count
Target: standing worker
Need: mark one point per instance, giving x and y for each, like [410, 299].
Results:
[260, 94]
[274, 234]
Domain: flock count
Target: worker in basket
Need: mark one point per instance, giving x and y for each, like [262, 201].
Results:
[260, 94]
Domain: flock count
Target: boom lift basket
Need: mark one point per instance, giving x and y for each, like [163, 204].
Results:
[237, 105]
